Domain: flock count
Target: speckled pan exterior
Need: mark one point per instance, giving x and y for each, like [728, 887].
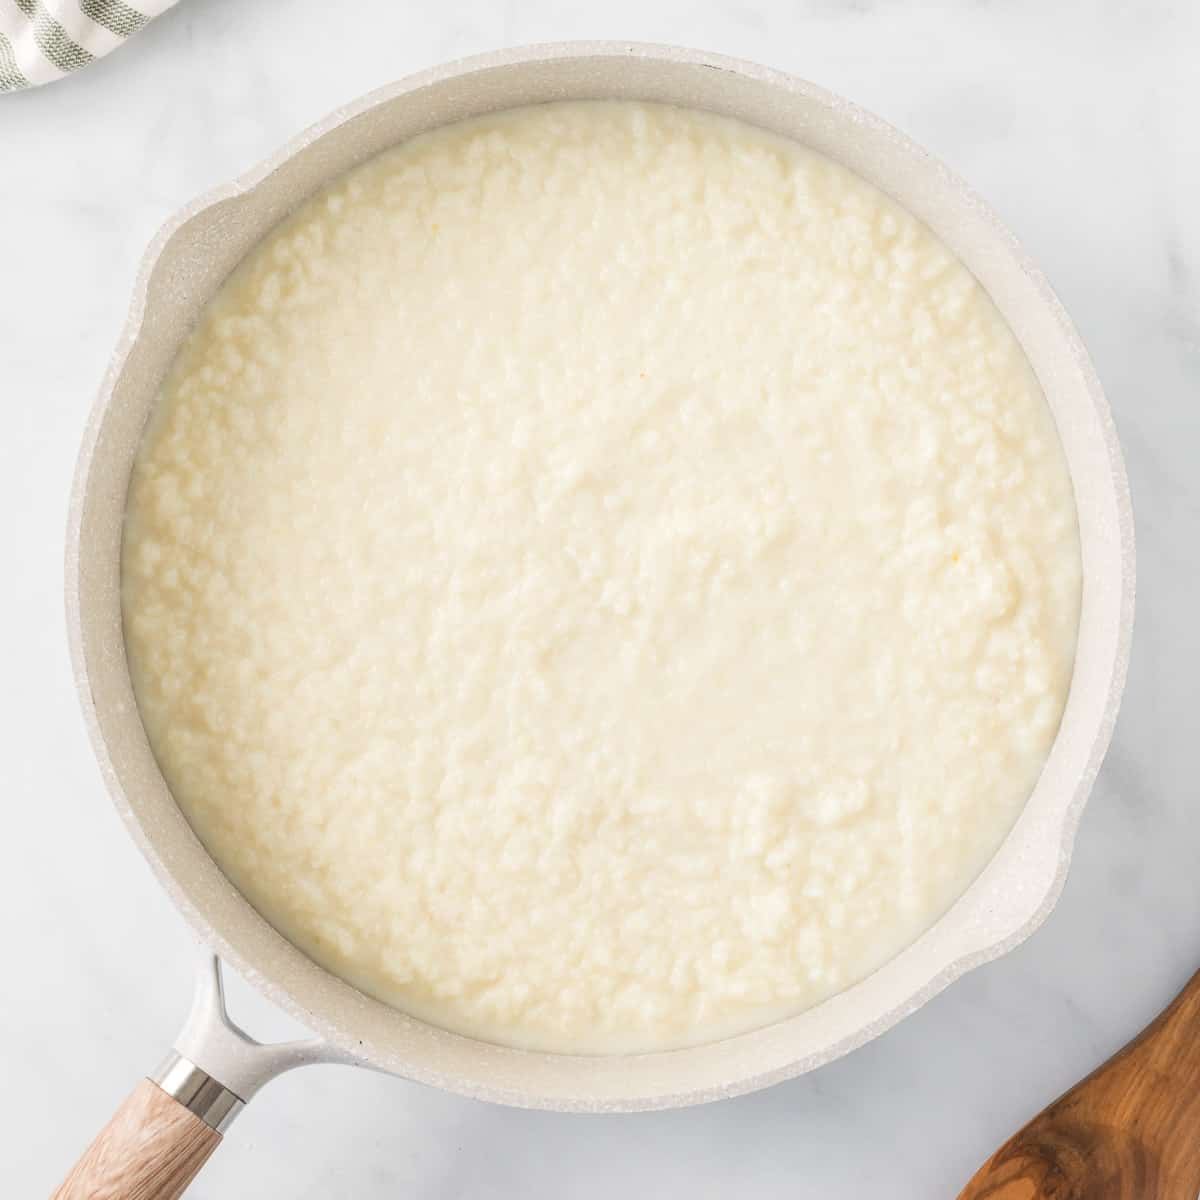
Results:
[185, 265]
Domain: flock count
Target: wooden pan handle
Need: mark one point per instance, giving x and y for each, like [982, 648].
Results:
[151, 1150]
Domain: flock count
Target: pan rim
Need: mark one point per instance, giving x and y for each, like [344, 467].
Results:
[503, 1083]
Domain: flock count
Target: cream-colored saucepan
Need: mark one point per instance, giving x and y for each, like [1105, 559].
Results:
[167, 1128]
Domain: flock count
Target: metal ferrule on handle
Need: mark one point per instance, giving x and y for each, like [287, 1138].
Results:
[198, 1092]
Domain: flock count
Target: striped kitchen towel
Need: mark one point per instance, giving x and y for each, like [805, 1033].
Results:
[43, 40]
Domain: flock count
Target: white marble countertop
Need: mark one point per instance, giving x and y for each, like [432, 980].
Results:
[1073, 119]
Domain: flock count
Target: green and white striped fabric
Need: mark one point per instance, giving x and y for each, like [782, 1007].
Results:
[43, 40]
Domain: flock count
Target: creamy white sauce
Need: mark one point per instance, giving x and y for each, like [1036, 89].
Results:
[601, 577]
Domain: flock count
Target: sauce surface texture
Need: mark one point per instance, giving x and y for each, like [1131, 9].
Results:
[601, 578]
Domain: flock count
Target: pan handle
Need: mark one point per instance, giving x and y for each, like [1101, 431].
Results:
[150, 1150]
[171, 1122]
